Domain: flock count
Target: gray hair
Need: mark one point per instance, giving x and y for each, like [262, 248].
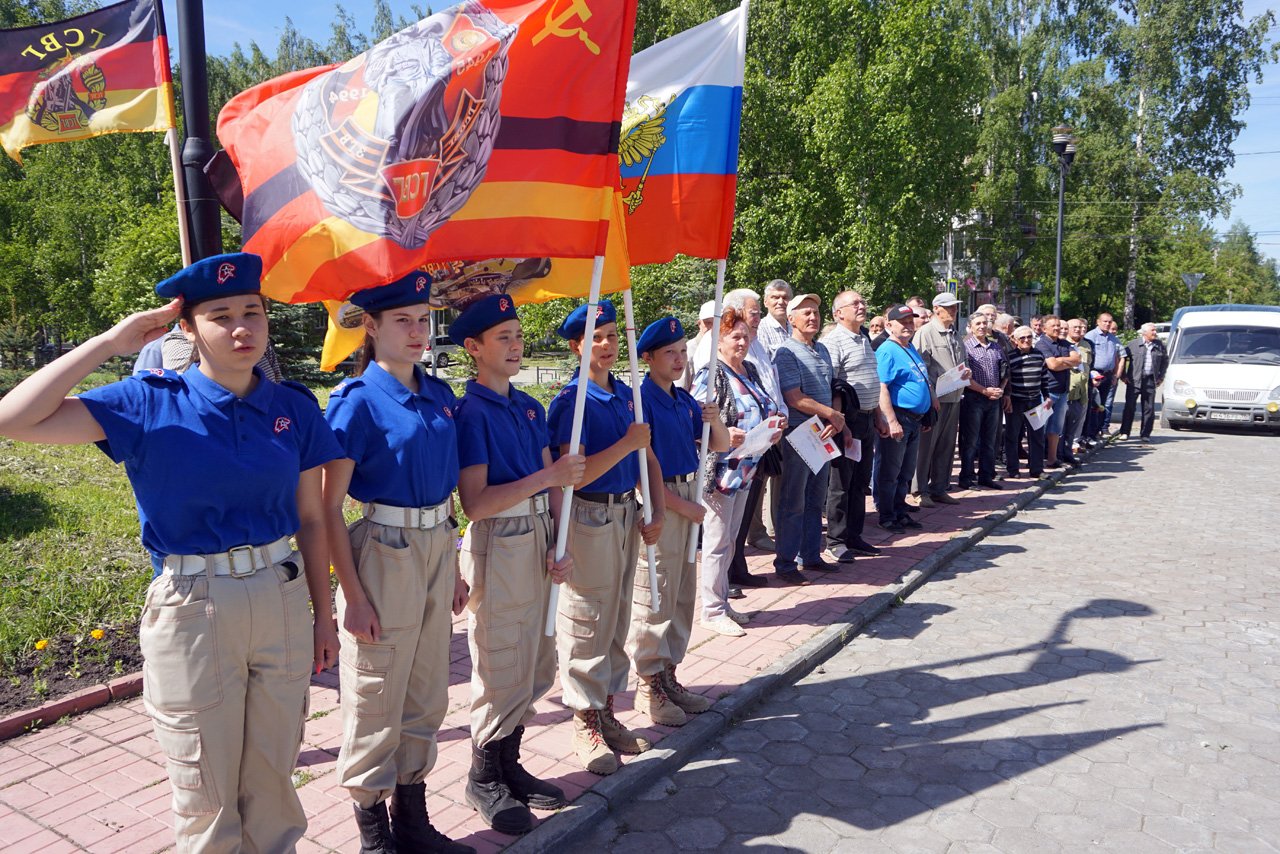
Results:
[1005, 320]
[986, 308]
[1023, 330]
[975, 317]
[1148, 327]
[737, 298]
[843, 299]
[779, 285]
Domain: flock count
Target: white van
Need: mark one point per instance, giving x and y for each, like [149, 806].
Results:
[1224, 367]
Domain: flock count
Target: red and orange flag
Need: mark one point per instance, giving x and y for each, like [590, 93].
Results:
[103, 72]
[486, 130]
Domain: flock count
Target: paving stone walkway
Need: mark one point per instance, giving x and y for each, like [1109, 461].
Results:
[1100, 674]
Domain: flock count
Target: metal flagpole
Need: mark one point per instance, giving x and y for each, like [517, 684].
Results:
[202, 203]
[575, 434]
[712, 367]
[651, 551]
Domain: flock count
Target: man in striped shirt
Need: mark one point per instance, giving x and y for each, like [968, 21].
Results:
[1028, 387]
[775, 328]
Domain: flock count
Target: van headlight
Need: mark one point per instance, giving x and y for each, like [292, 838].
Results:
[1181, 387]
[1275, 394]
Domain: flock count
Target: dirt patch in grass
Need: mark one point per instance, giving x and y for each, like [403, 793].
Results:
[65, 666]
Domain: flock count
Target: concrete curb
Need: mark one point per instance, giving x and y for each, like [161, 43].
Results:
[670, 754]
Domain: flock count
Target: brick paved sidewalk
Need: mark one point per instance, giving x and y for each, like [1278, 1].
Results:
[97, 782]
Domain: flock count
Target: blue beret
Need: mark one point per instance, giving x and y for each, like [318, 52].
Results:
[575, 324]
[660, 333]
[484, 313]
[215, 276]
[407, 290]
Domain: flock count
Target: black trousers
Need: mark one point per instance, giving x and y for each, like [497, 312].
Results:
[738, 565]
[1144, 388]
[979, 417]
[1015, 427]
[847, 496]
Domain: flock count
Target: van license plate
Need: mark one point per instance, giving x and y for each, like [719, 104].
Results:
[1231, 416]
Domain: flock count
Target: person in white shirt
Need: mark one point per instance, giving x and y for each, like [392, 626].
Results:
[775, 328]
[697, 354]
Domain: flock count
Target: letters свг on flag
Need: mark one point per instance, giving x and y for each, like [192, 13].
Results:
[679, 145]
[102, 72]
[486, 130]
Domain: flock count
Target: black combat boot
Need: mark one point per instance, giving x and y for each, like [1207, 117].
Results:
[412, 830]
[375, 832]
[489, 795]
[526, 788]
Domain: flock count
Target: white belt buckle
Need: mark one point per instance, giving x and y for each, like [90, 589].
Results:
[427, 518]
[233, 556]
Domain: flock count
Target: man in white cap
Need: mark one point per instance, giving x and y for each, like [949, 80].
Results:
[696, 358]
[941, 350]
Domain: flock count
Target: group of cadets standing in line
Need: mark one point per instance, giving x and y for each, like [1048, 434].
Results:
[227, 466]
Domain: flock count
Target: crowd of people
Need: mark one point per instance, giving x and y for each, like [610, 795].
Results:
[241, 482]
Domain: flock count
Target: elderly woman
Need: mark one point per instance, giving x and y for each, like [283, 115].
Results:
[742, 402]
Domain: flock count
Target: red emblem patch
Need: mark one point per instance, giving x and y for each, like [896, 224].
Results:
[504, 304]
[673, 324]
[599, 311]
[448, 411]
[420, 283]
[226, 271]
[157, 371]
[282, 424]
[532, 415]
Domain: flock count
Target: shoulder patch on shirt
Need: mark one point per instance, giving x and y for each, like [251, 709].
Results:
[158, 377]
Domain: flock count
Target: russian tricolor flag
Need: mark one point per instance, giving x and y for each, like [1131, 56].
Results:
[679, 145]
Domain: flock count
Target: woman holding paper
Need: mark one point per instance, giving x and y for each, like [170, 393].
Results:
[743, 404]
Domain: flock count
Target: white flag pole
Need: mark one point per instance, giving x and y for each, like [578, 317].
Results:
[435, 357]
[651, 552]
[575, 434]
[179, 192]
[712, 367]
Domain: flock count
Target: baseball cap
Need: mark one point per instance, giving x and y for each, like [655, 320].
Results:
[799, 299]
[945, 300]
[899, 313]
[708, 310]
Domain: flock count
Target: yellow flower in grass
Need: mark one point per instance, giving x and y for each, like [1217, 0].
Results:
[42, 643]
[97, 634]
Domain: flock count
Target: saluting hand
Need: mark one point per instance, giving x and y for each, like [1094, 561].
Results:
[561, 571]
[143, 327]
[568, 470]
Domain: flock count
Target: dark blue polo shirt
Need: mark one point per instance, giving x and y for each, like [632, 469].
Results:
[211, 471]
[1059, 381]
[404, 444]
[604, 421]
[675, 423]
[507, 434]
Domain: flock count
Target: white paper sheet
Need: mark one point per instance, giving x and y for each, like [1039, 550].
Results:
[758, 439]
[953, 379]
[815, 452]
[1040, 416]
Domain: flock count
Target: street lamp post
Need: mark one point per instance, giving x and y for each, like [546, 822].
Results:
[1064, 145]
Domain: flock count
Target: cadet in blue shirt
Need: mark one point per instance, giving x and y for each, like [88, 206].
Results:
[225, 466]
[510, 490]
[397, 567]
[595, 606]
[660, 636]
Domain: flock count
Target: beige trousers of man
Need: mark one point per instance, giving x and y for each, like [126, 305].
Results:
[595, 606]
[660, 636]
[225, 680]
[395, 691]
[513, 662]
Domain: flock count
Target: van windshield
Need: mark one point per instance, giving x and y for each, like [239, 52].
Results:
[1218, 344]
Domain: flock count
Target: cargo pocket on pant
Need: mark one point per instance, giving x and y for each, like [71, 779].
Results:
[389, 576]
[513, 574]
[193, 790]
[180, 670]
[299, 626]
[498, 649]
[364, 674]
[579, 619]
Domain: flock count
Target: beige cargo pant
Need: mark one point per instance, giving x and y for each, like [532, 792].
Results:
[660, 636]
[595, 606]
[513, 663]
[395, 691]
[225, 676]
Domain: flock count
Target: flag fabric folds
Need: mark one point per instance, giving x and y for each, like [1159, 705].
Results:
[103, 72]
[679, 145]
[527, 280]
[488, 129]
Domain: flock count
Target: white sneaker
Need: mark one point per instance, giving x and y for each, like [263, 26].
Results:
[738, 617]
[723, 625]
[1122, 437]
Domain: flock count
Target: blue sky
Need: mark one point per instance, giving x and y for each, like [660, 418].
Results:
[231, 21]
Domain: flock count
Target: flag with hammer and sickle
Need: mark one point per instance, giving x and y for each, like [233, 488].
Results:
[487, 130]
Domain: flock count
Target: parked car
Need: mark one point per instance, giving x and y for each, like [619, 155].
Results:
[441, 354]
[1162, 331]
[1224, 367]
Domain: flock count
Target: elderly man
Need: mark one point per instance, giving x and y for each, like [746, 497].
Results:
[1108, 362]
[1060, 358]
[905, 391]
[804, 372]
[697, 355]
[853, 362]
[774, 327]
[1149, 360]
[980, 412]
[1080, 392]
[1037, 328]
[1027, 390]
[940, 349]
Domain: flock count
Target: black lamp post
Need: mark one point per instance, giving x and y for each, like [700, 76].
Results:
[1064, 145]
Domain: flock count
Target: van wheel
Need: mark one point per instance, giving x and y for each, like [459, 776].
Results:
[442, 361]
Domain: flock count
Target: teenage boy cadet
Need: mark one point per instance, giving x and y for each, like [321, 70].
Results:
[510, 491]
[660, 636]
[595, 604]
